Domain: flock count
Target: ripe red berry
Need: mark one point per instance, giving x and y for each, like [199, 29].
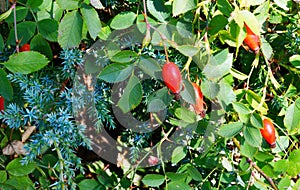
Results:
[172, 77]
[252, 40]
[268, 132]
[199, 106]
[1, 103]
[25, 47]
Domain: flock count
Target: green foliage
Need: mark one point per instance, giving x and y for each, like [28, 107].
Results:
[221, 148]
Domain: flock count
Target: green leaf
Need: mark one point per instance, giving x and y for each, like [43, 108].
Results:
[240, 108]
[50, 10]
[282, 143]
[263, 156]
[188, 50]
[250, 19]
[194, 173]
[176, 176]
[70, 30]
[88, 184]
[5, 14]
[291, 91]
[141, 24]
[34, 3]
[25, 30]
[188, 94]
[159, 100]
[178, 154]
[158, 10]
[182, 6]
[165, 29]
[226, 37]
[92, 20]
[150, 66]
[174, 185]
[185, 115]
[227, 164]
[219, 65]
[1, 43]
[104, 178]
[256, 120]
[49, 29]
[217, 23]
[123, 20]
[6, 89]
[210, 89]
[231, 129]
[104, 33]
[202, 58]
[132, 95]
[15, 168]
[237, 74]
[21, 13]
[284, 183]
[116, 72]
[39, 44]
[251, 3]
[292, 117]
[248, 150]
[3, 176]
[153, 180]
[225, 7]
[252, 136]
[125, 183]
[185, 29]
[244, 165]
[68, 4]
[294, 163]
[124, 56]
[282, 4]
[22, 182]
[266, 48]
[254, 100]
[26, 62]
[226, 95]
[295, 61]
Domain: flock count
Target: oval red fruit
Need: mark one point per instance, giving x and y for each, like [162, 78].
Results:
[172, 77]
[268, 132]
[199, 106]
[25, 47]
[252, 40]
[1, 103]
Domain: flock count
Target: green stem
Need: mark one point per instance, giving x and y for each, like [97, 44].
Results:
[15, 27]
[61, 165]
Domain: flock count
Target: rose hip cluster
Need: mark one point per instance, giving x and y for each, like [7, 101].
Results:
[172, 78]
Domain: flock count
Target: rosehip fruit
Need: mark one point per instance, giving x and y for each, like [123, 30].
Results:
[199, 106]
[25, 47]
[252, 40]
[1, 103]
[172, 77]
[268, 132]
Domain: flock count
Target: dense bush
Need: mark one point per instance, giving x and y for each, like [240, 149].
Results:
[138, 94]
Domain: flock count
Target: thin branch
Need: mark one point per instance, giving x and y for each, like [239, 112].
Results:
[15, 26]
[253, 165]
[269, 179]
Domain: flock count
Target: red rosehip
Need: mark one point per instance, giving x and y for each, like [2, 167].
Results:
[268, 132]
[25, 47]
[1, 103]
[172, 77]
[252, 40]
[199, 106]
